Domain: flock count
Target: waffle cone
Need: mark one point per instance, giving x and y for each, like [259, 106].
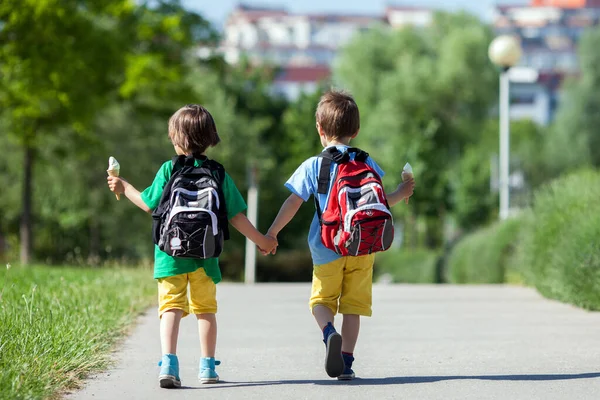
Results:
[114, 172]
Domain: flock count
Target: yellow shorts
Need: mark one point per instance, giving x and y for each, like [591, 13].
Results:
[194, 293]
[344, 285]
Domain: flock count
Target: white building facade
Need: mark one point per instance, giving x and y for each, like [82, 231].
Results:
[303, 45]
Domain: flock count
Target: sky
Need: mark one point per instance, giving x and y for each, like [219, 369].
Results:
[216, 11]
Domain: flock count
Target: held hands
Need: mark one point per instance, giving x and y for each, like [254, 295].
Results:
[268, 245]
[116, 184]
[406, 189]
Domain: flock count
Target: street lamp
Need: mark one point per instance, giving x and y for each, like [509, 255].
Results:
[505, 51]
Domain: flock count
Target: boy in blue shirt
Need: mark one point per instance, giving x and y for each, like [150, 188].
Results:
[340, 284]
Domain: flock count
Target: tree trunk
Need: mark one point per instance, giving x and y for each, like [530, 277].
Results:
[26, 220]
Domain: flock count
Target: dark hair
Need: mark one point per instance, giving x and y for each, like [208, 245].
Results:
[337, 114]
[193, 129]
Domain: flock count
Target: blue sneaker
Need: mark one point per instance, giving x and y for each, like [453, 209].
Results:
[348, 374]
[334, 363]
[169, 372]
[207, 372]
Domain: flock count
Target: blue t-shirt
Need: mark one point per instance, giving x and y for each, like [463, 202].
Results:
[304, 183]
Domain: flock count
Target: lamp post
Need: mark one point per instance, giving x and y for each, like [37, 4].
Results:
[250, 257]
[505, 51]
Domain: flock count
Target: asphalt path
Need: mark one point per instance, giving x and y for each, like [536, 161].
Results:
[423, 342]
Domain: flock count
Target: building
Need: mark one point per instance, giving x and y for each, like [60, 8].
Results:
[303, 45]
[550, 31]
[282, 38]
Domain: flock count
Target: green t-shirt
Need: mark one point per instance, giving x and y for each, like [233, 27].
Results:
[164, 264]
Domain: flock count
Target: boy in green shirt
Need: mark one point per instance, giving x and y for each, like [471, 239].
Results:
[187, 285]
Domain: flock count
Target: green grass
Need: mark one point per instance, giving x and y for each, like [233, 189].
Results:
[407, 266]
[59, 324]
[483, 256]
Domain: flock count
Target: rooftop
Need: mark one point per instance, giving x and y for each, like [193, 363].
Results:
[303, 74]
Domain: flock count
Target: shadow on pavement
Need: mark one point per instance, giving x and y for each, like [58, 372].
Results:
[402, 380]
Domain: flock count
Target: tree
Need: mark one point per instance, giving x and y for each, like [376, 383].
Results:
[58, 61]
[475, 203]
[62, 62]
[574, 140]
[424, 94]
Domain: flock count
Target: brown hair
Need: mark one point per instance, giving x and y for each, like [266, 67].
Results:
[193, 129]
[337, 114]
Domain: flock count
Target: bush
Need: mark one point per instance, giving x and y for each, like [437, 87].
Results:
[406, 266]
[483, 256]
[560, 247]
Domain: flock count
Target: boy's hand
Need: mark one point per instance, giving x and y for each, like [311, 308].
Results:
[268, 245]
[406, 189]
[115, 184]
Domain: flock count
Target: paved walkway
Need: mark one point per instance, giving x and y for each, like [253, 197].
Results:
[423, 342]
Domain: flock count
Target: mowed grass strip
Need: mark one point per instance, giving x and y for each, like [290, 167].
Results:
[59, 324]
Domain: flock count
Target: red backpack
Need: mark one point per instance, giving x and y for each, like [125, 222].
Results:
[357, 218]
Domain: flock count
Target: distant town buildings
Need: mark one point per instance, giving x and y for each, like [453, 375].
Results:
[550, 31]
[305, 45]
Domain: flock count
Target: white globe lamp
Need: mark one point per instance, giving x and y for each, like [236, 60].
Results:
[505, 51]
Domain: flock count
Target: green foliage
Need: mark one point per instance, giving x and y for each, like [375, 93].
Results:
[556, 244]
[407, 265]
[424, 95]
[483, 256]
[57, 325]
[77, 219]
[475, 204]
[559, 250]
[58, 60]
[574, 140]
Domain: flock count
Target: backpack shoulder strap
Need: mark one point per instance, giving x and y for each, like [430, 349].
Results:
[359, 155]
[218, 171]
[329, 155]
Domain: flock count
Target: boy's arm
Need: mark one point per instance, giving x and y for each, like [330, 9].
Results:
[245, 227]
[287, 211]
[120, 185]
[403, 191]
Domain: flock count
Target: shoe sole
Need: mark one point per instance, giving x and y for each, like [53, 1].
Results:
[346, 377]
[168, 382]
[209, 380]
[334, 362]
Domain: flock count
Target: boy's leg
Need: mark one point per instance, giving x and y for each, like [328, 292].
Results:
[326, 289]
[207, 329]
[350, 329]
[172, 306]
[169, 330]
[203, 303]
[323, 315]
[355, 300]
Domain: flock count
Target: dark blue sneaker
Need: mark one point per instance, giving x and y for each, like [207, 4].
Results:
[168, 377]
[334, 363]
[207, 372]
[348, 374]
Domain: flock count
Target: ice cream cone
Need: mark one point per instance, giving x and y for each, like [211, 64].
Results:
[113, 170]
[407, 174]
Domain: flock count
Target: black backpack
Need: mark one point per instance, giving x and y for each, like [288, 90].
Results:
[191, 218]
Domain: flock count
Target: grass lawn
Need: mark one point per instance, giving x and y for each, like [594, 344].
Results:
[59, 324]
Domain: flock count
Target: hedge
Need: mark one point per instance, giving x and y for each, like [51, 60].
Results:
[483, 256]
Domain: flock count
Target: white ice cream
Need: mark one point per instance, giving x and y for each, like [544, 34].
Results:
[113, 164]
[407, 172]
